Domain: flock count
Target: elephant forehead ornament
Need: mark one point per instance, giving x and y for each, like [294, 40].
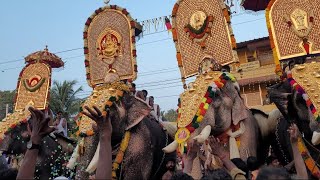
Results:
[110, 59]
[293, 27]
[204, 42]
[33, 88]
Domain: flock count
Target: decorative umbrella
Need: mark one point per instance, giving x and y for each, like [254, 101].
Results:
[255, 5]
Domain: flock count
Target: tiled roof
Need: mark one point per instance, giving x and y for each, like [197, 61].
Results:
[245, 43]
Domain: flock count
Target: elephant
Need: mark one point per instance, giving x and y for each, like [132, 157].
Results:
[226, 111]
[293, 109]
[143, 158]
[53, 153]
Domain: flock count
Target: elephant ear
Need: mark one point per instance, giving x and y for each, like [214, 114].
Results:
[137, 112]
[239, 111]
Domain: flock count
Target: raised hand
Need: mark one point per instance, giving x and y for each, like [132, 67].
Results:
[294, 133]
[39, 125]
[103, 122]
[217, 148]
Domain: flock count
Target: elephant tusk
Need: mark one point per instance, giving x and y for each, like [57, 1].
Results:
[72, 161]
[171, 147]
[94, 162]
[203, 136]
[315, 138]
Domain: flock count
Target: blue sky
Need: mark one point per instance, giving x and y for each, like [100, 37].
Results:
[27, 26]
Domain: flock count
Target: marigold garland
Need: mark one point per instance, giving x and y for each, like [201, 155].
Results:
[310, 163]
[183, 134]
[119, 158]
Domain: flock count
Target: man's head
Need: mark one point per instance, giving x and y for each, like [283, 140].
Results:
[145, 93]
[59, 114]
[266, 173]
[133, 88]
[170, 165]
[151, 100]
[217, 174]
[226, 68]
[273, 161]
[252, 163]
[181, 176]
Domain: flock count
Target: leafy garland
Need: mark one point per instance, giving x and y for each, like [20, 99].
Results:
[310, 163]
[120, 155]
[200, 31]
[183, 134]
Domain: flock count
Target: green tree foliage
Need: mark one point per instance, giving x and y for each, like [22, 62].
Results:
[170, 115]
[63, 98]
[6, 97]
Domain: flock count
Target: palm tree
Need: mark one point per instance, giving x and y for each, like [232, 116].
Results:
[63, 98]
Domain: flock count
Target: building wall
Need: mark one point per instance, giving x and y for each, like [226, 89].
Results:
[255, 60]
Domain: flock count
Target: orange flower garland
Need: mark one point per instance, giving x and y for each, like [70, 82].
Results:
[120, 155]
[183, 134]
[310, 163]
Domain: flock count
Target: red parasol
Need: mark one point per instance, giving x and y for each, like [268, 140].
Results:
[255, 5]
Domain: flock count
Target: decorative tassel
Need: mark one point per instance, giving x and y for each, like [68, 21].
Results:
[168, 24]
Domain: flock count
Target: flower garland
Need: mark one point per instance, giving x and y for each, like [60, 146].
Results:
[183, 134]
[310, 163]
[302, 92]
[120, 155]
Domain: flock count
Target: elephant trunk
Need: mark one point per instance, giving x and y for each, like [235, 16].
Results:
[171, 147]
[203, 136]
[90, 146]
[93, 164]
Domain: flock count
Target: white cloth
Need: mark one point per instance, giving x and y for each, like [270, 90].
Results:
[62, 129]
[155, 111]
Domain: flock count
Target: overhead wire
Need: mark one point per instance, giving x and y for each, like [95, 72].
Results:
[74, 49]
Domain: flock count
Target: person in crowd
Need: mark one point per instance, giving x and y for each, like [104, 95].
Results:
[133, 89]
[60, 125]
[181, 176]
[271, 172]
[253, 167]
[170, 165]
[155, 112]
[145, 94]
[217, 174]
[8, 173]
[273, 161]
[223, 154]
[38, 128]
[140, 95]
[226, 68]
[104, 166]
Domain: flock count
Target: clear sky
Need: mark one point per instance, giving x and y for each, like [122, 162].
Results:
[27, 26]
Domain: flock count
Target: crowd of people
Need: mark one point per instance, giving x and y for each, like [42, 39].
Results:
[195, 164]
[226, 169]
[143, 95]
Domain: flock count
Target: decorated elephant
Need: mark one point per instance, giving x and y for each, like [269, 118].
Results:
[225, 116]
[143, 158]
[295, 106]
[53, 153]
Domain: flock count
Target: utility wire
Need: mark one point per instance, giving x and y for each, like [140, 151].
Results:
[74, 49]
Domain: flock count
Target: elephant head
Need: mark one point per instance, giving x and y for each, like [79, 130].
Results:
[226, 111]
[52, 154]
[294, 108]
[124, 115]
